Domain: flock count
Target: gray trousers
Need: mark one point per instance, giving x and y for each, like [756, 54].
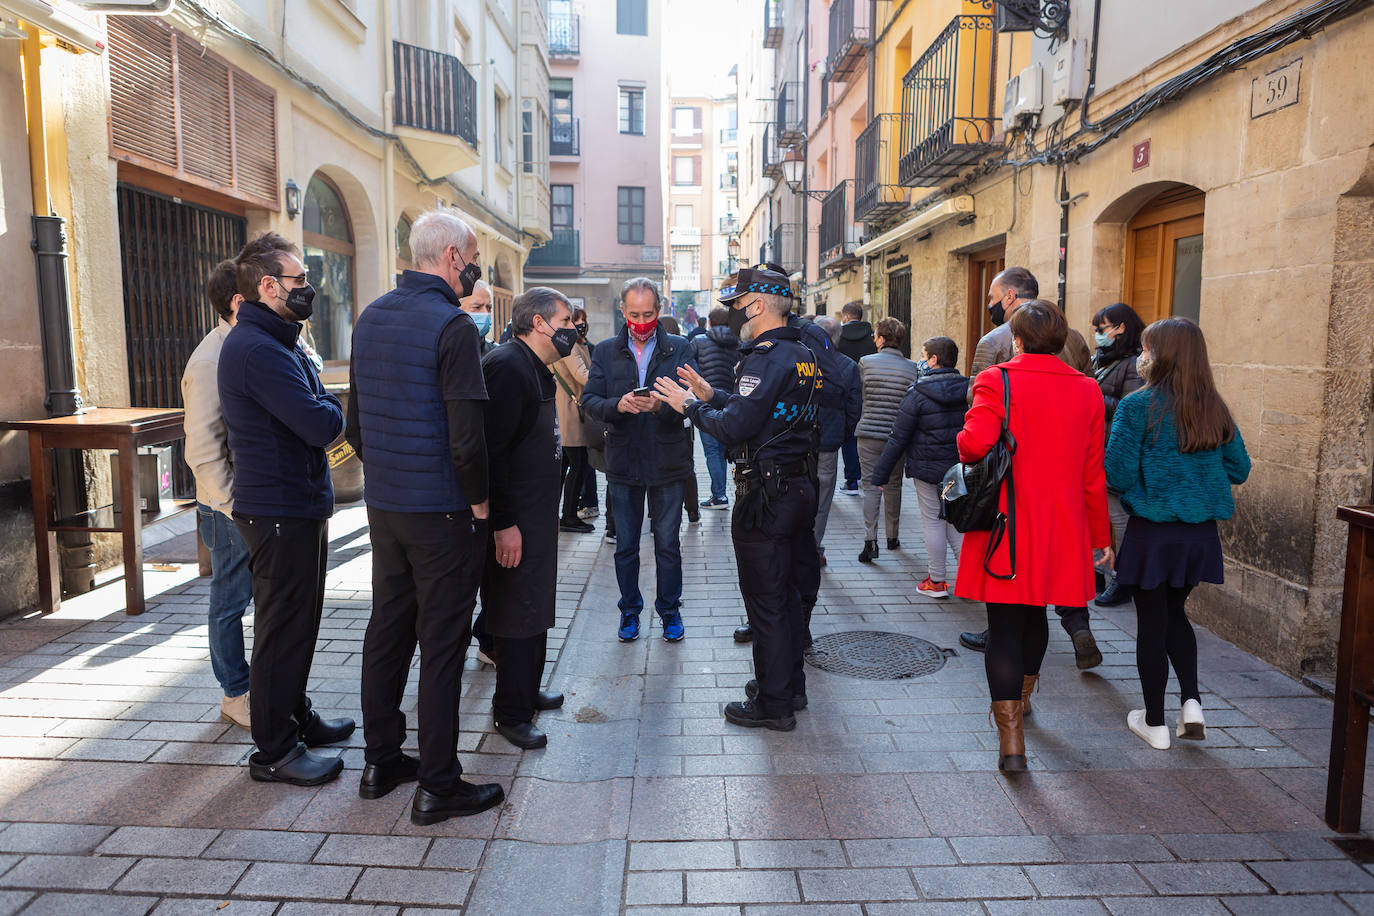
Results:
[1118, 515]
[890, 497]
[826, 472]
[940, 535]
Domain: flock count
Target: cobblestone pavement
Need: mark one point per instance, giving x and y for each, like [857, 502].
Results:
[121, 791]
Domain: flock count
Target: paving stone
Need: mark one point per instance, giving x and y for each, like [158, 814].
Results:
[857, 884]
[654, 887]
[1005, 850]
[321, 882]
[449, 852]
[1306, 904]
[534, 880]
[1304, 845]
[1045, 908]
[169, 876]
[265, 845]
[1202, 847]
[1314, 876]
[903, 852]
[688, 855]
[1201, 878]
[213, 906]
[157, 841]
[683, 808]
[104, 904]
[942, 908]
[12, 902]
[1078, 880]
[66, 872]
[791, 854]
[52, 838]
[542, 811]
[742, 887]
[351, 849]
[1127, 847]
[972, 882]
[1360, 903]
[1165, 906]
[775, 807]
[302, 908]
[410, 885]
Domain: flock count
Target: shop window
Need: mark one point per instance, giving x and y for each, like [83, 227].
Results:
[329, 253]
[1163, 274]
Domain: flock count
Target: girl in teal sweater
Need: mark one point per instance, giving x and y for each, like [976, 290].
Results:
[1173, 455]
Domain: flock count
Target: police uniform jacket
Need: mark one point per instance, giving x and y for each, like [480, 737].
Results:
[772, 412]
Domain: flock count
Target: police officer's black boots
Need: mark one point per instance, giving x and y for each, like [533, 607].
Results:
[870, 552]
[744, 633]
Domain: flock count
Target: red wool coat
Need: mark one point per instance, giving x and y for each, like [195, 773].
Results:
[1061, 490]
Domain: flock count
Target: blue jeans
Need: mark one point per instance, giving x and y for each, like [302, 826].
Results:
[627, 507]
[231, 588]
[715, 464]
[850, 453]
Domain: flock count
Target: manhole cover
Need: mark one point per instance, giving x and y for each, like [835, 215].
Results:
[875, 655]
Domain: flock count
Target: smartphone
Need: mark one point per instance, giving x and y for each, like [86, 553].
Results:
[642, 392]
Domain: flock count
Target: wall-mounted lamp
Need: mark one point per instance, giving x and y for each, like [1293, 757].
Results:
[793, 167]
[293, 199]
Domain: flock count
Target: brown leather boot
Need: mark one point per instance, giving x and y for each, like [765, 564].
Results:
[1028, 685]
[1010, 740]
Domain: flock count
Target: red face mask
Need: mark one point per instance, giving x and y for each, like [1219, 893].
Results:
[642, 332]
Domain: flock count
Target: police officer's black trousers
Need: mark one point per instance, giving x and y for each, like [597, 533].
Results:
[425, 570]
[287, 558]
[519, 670]
[781, 560]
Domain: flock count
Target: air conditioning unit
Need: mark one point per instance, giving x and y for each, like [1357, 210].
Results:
[1023, 99]
[1066, 83]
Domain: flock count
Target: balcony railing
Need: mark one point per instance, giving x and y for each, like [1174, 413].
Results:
[785, 246]
[850, 33]
[560, 251]
[877, 196]
[948, 94]
[565, 137]
[434, 92]
[728, 225]
[729, 134]
[772, 24]
[788, 117]
[772, 154]
[839, 235]
[729, 181]
[565, 35]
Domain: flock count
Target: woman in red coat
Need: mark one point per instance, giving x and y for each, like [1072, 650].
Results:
[1061, 510]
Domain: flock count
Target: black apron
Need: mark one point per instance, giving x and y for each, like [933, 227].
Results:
[519, 603]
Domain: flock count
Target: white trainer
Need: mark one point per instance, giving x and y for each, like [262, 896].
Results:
[1190, 723]
[1156, 736]
[235, 709]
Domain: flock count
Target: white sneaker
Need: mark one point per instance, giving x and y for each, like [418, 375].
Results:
[1156, 736]
[235, 709]
[484, 658]
[1190, 724]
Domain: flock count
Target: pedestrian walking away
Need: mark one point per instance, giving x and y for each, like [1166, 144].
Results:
[885, 377]
[520, 583]
[856, 342]
[415, 415]
[1174, 454]
[769, 423]
[1117, 329]
[717, 353]
[841, 406]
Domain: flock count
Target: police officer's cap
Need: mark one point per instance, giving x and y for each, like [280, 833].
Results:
[766, 278]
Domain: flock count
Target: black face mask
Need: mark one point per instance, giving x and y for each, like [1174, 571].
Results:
[997, 313]
[563, 340]
[468, 278]
[738, 319]
[581, 330]
[301, 301]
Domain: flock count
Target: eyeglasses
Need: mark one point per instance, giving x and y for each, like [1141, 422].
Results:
[303, 278]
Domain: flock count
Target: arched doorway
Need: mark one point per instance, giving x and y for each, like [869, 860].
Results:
[329, 254]
[1163, 275]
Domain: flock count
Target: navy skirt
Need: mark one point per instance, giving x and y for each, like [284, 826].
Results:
[1176, 554]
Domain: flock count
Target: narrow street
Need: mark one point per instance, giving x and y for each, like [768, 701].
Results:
[126, 794]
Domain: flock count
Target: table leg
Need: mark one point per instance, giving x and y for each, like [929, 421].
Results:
[1354, 671]
[131, 521]
[49, 582]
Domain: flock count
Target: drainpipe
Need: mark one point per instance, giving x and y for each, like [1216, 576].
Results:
[77, 557]
[388, 152]
[803, 229]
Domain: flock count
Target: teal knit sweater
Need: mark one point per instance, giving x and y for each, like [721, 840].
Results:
[1157, 481]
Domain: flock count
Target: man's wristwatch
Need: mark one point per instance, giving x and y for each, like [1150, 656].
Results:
[688, 401]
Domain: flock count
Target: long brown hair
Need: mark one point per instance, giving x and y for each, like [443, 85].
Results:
[1181, 376]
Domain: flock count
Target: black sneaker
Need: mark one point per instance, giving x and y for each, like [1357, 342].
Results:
[750, 716]
[751, 690]
[1086, 653]
[978, 642]
[575, 525]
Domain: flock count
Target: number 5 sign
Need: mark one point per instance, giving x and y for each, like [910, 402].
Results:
[1276, 89]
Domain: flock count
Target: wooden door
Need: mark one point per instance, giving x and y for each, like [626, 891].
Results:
[982, 267]
[1163, 275]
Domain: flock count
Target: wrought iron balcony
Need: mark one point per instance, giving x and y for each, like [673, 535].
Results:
[839, 234]
[772, 154]
[948, 95]
[729, 225]
[877, 196]
[565, 35]
[850, 33]
[434, 92]
[772, 24]
[788, 117]
[565, 137]
[786, 246]
[561, 251]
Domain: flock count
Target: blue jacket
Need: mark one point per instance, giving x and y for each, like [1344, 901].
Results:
[647, 449]
[401, 411]
[928, 421]
[278, 418]
[1157, 481]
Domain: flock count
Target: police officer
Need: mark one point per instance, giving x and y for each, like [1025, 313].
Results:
[769, 426]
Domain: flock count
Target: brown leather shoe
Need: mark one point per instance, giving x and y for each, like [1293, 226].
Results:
[1028, 684]
[1011, 742]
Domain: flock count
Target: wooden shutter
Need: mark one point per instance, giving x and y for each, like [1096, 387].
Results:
[696, 118]
[696, 171]
[179, 110]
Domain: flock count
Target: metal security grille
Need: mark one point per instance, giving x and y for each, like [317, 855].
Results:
[167, 251]
[899, 304]
[875, 655]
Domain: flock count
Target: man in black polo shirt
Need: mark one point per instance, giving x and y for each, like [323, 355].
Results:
[279, 419]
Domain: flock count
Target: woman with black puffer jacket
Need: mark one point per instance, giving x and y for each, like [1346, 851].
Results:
[928, 422]
[1117, 329]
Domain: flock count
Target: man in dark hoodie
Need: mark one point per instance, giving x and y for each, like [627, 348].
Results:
[717, 354]
[856, 342]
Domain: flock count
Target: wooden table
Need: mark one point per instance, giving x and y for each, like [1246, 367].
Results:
[1354, 675]
[121, 429]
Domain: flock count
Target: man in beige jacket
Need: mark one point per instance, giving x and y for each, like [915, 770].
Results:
[207, 454]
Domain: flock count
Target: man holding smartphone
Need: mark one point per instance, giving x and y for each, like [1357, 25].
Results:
[648, 452]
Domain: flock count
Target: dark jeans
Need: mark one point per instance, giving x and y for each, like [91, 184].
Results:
[519, 669]
[287, 558]
[626, 504]
[715, 464]
[1018, 635]
[1072, 619]
[575, 470]
[589, 497]
[778, 565]
[849, 452]
[426, 567]
[1164, 635]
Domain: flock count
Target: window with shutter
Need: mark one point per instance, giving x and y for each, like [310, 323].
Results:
[177, 109]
